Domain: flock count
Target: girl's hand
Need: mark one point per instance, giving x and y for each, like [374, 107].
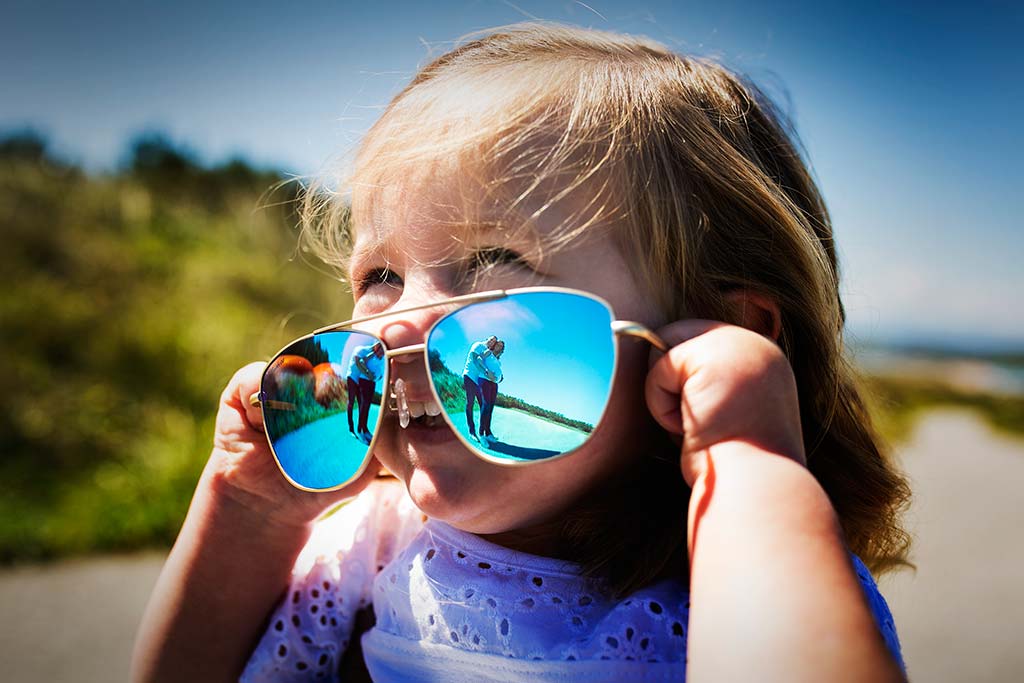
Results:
[721, 383]
[243, 469]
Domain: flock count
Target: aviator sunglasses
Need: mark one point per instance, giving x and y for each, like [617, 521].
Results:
[520, 376]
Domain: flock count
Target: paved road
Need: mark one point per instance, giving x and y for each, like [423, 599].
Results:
[961, 617]
[73, 621]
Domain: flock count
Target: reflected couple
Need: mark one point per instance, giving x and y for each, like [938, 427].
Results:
[480, 380]
[364, 369]
[309, 391]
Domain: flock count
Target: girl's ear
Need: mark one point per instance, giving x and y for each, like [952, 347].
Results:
[755, 311]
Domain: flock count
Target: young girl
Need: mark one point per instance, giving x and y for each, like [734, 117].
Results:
[714, 524]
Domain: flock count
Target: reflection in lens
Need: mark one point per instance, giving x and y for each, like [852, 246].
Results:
[525, 377]
[321, 404]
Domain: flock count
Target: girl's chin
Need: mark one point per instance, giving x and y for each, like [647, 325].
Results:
[441, 494]
[450, 484]
[447, 496]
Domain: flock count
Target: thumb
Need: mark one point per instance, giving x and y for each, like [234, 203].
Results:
[669, 371]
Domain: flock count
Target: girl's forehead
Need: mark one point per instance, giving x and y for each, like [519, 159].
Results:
[440, 168]
[512, 159]
[442, 210]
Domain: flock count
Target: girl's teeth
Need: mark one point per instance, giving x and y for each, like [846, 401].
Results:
[423, 409]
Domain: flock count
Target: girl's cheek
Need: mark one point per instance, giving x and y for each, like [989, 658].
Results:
[376, 299]
[386, 453]
[627, 409]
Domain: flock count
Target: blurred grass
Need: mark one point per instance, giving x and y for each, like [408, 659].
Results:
[897, 402]
[129, 301]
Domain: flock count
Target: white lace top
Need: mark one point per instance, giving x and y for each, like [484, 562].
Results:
[451, 606]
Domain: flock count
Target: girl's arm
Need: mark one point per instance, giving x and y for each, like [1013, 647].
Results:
[226, 572]
[363, 367]
[481, 364]
[232, 560]
[773, 593]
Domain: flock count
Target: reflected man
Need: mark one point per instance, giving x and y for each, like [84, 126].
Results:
[489, 379]
[364, 369]
[475, 366]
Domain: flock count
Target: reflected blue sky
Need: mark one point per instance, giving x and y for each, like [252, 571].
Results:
[910, 114]
[340, 345]
[559, 349]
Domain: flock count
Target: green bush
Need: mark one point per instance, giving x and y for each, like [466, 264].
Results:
[306, 409]
[130, 300]
[897, 402]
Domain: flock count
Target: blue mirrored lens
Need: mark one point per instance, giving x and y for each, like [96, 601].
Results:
[321, 405]
[526, 377]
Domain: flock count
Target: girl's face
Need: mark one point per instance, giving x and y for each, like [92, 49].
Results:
[405, 255]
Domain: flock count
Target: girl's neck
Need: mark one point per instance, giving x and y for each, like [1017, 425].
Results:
[540, 539]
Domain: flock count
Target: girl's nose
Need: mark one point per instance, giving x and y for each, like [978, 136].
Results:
[422, 289]
[404, 332]
[411, 328]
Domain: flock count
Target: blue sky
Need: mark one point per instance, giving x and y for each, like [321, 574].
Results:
[910, 115]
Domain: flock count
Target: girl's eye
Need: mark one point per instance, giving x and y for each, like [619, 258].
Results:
[496, 256]
[376, 276]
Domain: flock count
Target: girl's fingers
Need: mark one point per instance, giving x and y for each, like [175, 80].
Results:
[663, 388]
[684, 330]
[242, 385]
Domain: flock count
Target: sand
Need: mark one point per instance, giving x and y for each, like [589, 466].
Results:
[960, 618]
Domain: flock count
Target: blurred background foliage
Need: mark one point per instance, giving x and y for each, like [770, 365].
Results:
[898, 400]
[130, 299]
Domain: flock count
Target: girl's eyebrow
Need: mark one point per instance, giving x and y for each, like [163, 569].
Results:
[362, 248]
[480, 236]
[360, 252]
[359, 255]
[495, 254]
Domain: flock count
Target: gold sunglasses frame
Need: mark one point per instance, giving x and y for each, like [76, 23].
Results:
[627, 328]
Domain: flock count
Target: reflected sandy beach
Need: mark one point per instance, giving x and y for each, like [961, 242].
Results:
[522, 436]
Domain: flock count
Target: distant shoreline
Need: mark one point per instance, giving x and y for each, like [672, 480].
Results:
[535, 416]
[971, 374]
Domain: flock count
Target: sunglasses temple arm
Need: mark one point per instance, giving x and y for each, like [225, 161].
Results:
[255, 401]
[635, 329]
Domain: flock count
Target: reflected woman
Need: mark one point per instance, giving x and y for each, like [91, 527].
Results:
[364, 369]
[489, 389]
[475, 367]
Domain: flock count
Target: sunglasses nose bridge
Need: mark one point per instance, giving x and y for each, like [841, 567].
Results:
[405, 350]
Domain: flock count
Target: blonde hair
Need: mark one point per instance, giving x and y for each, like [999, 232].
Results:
[698, 175]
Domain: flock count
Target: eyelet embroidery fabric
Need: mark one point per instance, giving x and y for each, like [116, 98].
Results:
[455, 589]
[309, 631]
[449, 601]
